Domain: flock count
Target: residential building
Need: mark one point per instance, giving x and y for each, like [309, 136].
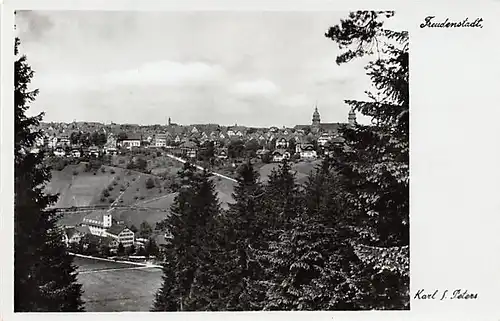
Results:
[120, 234]
[160, 140]
[188, 149]
[280, 154]
[324, 139]
[76, 153]
[307, 151]
[73, 235]
[281, 142]
[59, 151]
[64, 140]
[133, 140]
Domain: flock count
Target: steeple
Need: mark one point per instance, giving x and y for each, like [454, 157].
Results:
[169, 121]
[352, 117]
[316, 120]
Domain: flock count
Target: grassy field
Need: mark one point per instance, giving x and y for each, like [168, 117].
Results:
[135, 216]
[78, 190]
[115, 287]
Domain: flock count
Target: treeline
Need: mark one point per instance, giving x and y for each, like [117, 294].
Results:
[88, 139]
[280, 246]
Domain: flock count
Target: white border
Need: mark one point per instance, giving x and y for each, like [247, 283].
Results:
[454, 81]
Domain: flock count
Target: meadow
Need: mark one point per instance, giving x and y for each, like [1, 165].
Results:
[116, 286]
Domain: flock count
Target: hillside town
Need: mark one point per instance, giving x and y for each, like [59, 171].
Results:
[78, 139]
[99, 233]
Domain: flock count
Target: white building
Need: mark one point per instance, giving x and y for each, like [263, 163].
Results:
[160, 140]
[98, 222]
[59, 152]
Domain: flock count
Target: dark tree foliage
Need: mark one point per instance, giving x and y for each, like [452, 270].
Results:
[314, 268]
[151, 247]
[120, 250]
[44, 274]
[374, 163]
[145, 230]
[244, 232]
[187, 276]
[236, 149]
[284, 198]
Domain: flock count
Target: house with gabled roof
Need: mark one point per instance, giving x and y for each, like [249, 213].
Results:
[120, 233]
[280, 154]
[72, 235]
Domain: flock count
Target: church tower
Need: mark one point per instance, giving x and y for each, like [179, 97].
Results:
[316, 120]
[169, 121]
[352, 117]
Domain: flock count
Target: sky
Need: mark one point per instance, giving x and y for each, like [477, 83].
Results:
[245, 68]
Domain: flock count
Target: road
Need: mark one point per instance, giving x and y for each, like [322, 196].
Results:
[201, 168]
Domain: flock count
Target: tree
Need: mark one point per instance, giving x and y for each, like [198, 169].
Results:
[251, 147]
[122, 136]
[235, 149]
[131, 249]
[121, 249]
[284, 198]
[189, 265]
[145, 230]
[105, 250]
[45, 279]
[141, 251]
[134, 229]
[374, 162]
[244, 232]
[151, 247]
[75, 138]
[150, 183]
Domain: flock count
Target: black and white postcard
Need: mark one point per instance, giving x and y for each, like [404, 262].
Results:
[184, 159]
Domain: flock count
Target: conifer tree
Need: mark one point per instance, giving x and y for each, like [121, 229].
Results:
[374, 163]
[283, 197]
[375, 159]
[45, 279]
[189, 266]
[245, 233]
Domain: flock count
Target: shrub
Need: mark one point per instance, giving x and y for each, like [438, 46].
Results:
[105, 193]
[75, 172]
[115, 183]
[111, 200]
[118, 178]
[150, 183]
[142, 197]
[103, 199]
[137, 189]
[110, 188]
[136, 197]
[95, 173]
[122, 188]
[133, 179]
[121, 200]
[112, 171]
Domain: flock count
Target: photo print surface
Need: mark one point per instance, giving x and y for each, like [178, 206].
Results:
[211, 161]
